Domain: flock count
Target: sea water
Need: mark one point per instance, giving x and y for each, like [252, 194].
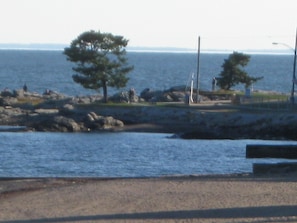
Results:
[35, 154]
[126, 154]
[42, 70]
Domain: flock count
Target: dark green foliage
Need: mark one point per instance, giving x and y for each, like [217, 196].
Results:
[233, 72]
[100, 60]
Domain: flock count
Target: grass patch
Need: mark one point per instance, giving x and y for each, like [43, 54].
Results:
[32, 101]
[271, 96]
[256, 94]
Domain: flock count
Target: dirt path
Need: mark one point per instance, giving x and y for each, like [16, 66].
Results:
[171, 199]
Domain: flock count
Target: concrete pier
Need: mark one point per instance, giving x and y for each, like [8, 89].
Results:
[274, 168]
[271, 151]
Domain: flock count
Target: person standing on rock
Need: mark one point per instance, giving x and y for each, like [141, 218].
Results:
[25, 88]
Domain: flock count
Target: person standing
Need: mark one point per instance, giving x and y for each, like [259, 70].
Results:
[214, 84]
[25, 88]
[131, 95]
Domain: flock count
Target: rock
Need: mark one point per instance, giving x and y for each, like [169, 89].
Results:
[86, 99]
[174, 94]
[46, 122]
[111, 122]
[19, 93]
[53, 95]
[8, 101]
[180, 88]
[124, 97]
[97, 122]
[55, 112]
[83, 100]
[93, 117]
[62, 122]
[90, 118]
[178, 96]
[46, 111]
[165, 97]
[7, 93]
[149, 95]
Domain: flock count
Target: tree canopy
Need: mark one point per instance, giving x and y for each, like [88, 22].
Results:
[233, 73]
[100, 60]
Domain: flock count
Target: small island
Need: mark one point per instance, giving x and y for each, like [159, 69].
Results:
[216, 116]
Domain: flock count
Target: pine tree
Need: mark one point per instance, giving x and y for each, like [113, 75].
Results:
[100, 60]
[233, 73]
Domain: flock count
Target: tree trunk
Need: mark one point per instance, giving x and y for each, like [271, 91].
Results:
[105, 92]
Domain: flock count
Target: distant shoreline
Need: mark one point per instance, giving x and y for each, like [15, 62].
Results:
[140, 49]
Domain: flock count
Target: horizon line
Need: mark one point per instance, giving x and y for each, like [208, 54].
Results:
[148, 49]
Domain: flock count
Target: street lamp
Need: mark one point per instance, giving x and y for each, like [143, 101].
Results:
[294, 67]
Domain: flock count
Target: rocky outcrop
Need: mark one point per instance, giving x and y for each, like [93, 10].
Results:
[54, 124]
[52, 112]
[59, 113]
[171, 95]
[73, 123]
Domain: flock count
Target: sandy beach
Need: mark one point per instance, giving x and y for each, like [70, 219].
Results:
[217, 198]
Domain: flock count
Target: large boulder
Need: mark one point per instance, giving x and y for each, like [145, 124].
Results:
[69, 124]
[121, 97]
[48, 123]
[97, 122]
[151, 95]
[124, 96]
[174, 94]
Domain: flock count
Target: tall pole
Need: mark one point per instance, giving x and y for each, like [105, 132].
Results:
[198, 70]
[294, 72]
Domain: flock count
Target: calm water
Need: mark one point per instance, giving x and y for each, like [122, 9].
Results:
[120, 155]
[49, 70]
[126, 154]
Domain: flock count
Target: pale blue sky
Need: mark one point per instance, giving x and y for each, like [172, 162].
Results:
[222, 24]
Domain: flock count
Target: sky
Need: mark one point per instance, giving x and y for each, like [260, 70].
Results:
[221, 24]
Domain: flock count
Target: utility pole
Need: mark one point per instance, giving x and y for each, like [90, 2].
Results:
[198, 71]
[294, 72]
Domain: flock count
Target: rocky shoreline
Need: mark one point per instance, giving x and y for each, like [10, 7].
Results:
[210, 119]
